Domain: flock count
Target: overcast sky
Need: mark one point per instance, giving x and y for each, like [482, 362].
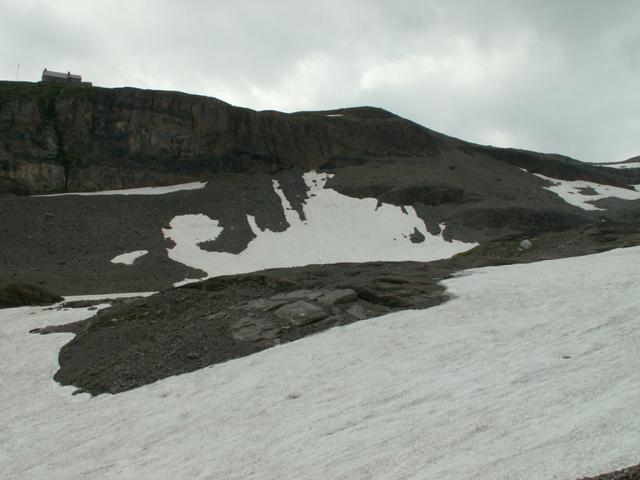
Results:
[547, 75]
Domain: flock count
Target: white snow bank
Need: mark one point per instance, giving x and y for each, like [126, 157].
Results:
[620, 165]
[532, 371]
[129, 257]
[337, 228]
[570, 192]
[137, 191]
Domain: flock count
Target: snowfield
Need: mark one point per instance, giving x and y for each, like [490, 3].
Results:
[337, 228]
[573, 192]
[530, 372]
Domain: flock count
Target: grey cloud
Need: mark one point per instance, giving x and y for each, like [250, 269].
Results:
[556, 76]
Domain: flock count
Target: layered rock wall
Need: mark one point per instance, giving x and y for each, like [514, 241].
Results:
[57, 138]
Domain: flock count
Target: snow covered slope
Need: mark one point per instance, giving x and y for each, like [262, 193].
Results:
[336, 228]
[531, 371]
[582, 194]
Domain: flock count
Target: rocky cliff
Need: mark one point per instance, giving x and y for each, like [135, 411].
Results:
[62, 138]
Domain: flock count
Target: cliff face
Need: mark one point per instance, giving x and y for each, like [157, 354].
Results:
[72, 138]
[59, 138]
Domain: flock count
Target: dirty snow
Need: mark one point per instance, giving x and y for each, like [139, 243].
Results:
[337, 228]
[137, 191]
[105, 296]
[531, 371]
[620, 165]
[129, 257]
[571, 192]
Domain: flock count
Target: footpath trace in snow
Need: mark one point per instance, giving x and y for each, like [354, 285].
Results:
[530, 371]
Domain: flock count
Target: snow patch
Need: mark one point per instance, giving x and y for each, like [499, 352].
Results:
[129, 257]
[106, 296]
[137, 191]
[531, 368]
[572, 192]
[620, 165]
[337, 228]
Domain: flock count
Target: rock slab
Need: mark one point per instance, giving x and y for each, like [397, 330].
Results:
[301, 313]
[334, 297]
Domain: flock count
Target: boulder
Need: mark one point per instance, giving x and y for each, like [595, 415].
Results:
[299, 295]
[357, 311]
[344, 295]
[301, 313]
[525, 245]
[253, 329]
[417, 236]
[18, 295]
[265, 304]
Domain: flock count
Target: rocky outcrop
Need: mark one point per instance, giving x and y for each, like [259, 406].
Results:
[80, 138]
[58, 138]
[21, 294]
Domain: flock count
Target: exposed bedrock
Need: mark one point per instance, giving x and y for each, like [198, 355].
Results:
[15, 292]
[57, 138]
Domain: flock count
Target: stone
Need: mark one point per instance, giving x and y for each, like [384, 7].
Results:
[340, 320]
[253, 329]
[301, 313]
[344, 295]
[525, 245]
[299, 295]
[265, 304]
[357, 311]
[217, 316]
[417, 236]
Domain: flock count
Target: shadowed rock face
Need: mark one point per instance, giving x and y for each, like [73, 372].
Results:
[18, 294]
[58, 138]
